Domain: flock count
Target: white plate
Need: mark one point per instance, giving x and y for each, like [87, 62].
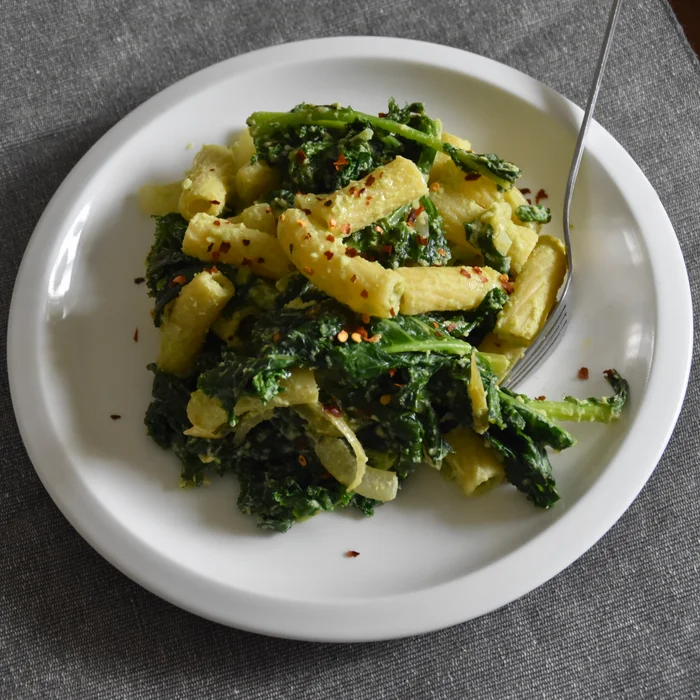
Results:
[432, 558]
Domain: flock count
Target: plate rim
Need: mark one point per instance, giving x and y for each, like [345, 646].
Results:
[362, 618]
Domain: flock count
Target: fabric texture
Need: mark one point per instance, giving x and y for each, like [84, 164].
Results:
[623, 621]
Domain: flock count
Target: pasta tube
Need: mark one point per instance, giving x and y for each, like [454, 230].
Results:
[259, 217]
[456, 210]
[364, 201]
[473, 464]
[243, 150]
[254, 180]
[187, 320]
[210, 239]
[516, 199]
[366, 287]
[523, 241]
[534, 294]
[494, 346]
[209, 418]
[209, 182]
[445, 288]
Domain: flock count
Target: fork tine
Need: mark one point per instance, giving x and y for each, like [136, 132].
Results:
[540, 349]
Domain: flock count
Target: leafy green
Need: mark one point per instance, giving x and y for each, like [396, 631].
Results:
[307, 142]
[534, 212]
[397, 240]
[480, 235]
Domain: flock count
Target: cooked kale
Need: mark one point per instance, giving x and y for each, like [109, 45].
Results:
[534, 212]
[322, 148]
[401, 240]
[480, 235]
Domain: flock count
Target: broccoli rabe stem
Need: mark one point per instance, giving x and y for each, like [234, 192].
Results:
[593, 410]
[501, 172]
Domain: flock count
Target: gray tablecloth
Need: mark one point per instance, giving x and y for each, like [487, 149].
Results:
[623, 621]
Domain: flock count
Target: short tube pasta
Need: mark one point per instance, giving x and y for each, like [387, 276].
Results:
[188, 318]
[159, 200]
[365, 201]
[456, 211]
[217, 240]
[259, 217]
[534, 294]
[473, 465]
[445, 288]
[366, 287]
[209, 182]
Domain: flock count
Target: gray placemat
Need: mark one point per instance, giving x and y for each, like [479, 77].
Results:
[623, 621]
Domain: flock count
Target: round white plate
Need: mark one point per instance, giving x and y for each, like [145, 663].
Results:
[432, 558]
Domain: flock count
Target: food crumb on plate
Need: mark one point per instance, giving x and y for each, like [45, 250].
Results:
[583, 373]
[351, 554]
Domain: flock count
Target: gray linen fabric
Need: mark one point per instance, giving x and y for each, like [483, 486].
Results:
[623, 621]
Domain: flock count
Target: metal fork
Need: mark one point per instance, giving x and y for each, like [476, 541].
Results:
[553, 330]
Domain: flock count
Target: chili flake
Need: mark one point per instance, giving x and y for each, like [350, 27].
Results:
[422, 240]
[541, 195]
[246, 262]
[333, 410]
[375, 338]
[353, 279]
[329, 254]
[540, 398]
[246, 241]
[465, 273]
[345, 229]
[301, 222]
[217, 223]
[451, 327]
[300, 156]
[215, 255]
[308, 271]
[392, 312]
[356, 337]
[364, 293]
[583, 373]
[365, 318]
[388, 249]
[302, 460]
[471, 176]
[368, 200]
[442, 252]
[332, 223]
[392, 372]
[342, 336]
[370, 181]
[214, 201]
[330, 237]
[328, 203]
[351, 252]
[139, 280]
[268, 210]
[525, 190]
[379, 229]
[477, 269]
[435, 187]
[209, 247]
[351, 553]
[180, 279]
[341, 162]
[115, 416]
[385, 399]
[225, 247]
[276, 337]
[136, 335]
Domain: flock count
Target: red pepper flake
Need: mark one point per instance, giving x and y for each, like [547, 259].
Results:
[139, 280]
[540, 398]
[508, 288]
[308, 271]
[382, 115]
[345, 229]
[351, 252]
[368, 200]
[180, 279]
[301, 222]
[364, 293]
[414, 214]
[332, 223]
[442, 252]
[306, 236]
[363, 332]
[246, 262]
[333, 410]
[268, 210]
[276, 338]
[300, 156]
[261, 260]
[329, 254]
[528, 200]
[353, 279]
[217, 223]
[342, 336]
[435, 324]
[330, 237]
[609, 373]
[365, 318]
[115, 416]
[435, 187]
[379, 229]
[381, 175]
[471, 176]
[246, 241]
[328, 203]
[307, 212]
[438, 334]
[392, 312]
[351, 553]
[541, 195]
[465, 273]
[352, 190]
[302, 460]
[291, 248]
[136, 335]
[341, 162]
[375, 338]
[451, 327]
[153, 313]
[477, 269]
[215, 255]
[213, 269]
[422, 240]
[525, 190]
[583, 373]
[211, 170]
[392, 372]
[214, 201]
[359, 192]
[225, 247]
[209, 247]
[370, 181]
[388, 249]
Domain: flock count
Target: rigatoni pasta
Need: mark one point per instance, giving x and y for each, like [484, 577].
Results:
[366, 287]
[209, 183]
[218, 240]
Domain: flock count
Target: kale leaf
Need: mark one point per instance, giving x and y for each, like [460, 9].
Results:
[534, 212]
